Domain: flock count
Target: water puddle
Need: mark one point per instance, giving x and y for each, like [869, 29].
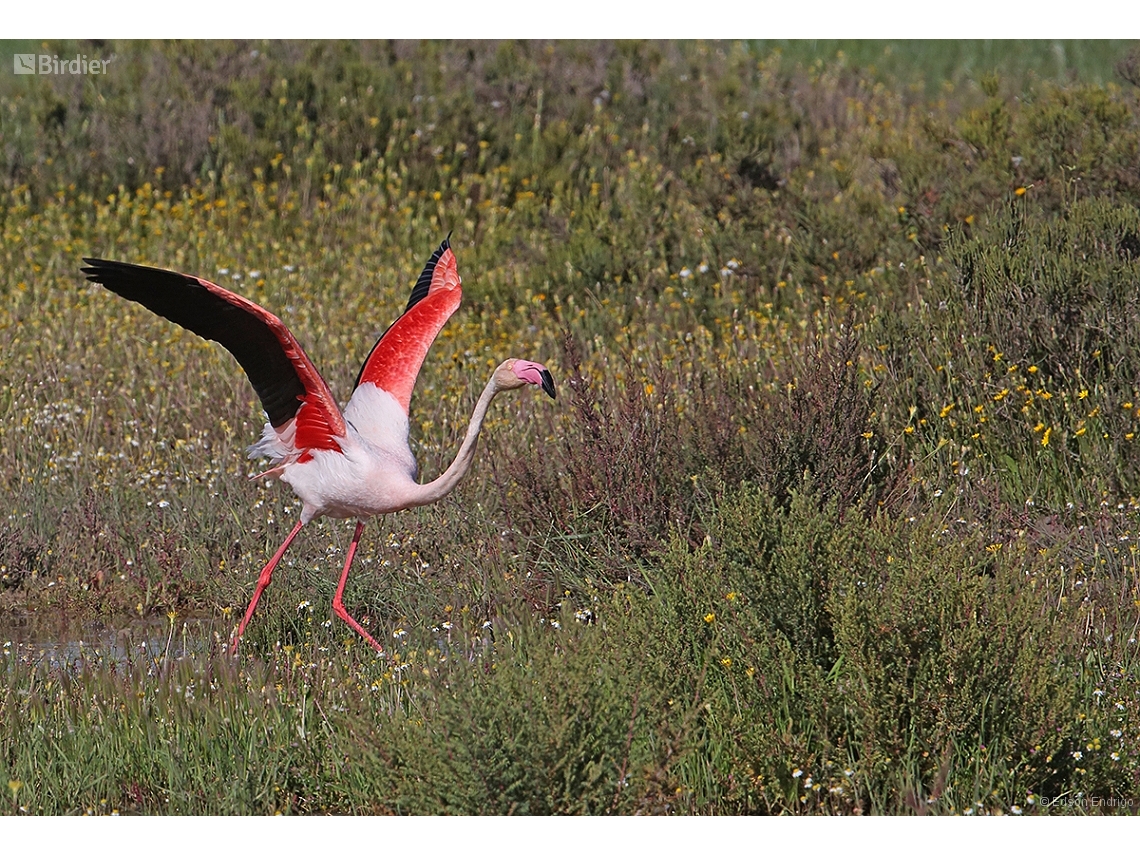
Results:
[69, 643]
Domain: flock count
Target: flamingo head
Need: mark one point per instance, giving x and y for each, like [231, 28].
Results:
[516, 373]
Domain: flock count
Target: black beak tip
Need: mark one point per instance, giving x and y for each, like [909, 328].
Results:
[548, 384]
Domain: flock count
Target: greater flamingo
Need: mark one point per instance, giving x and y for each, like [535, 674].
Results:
[355, 464]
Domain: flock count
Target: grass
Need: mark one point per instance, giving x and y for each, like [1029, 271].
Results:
[837, 511]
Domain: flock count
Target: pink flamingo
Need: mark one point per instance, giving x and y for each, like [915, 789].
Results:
[355, 464]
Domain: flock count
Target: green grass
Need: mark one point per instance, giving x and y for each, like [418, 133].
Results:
[836, 512]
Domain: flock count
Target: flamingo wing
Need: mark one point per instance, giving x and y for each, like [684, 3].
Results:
[284, 378]
[395, 359]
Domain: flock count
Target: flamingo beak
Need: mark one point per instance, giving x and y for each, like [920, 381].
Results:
[548, 383]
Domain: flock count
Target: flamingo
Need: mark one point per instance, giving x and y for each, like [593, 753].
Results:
[344, 465]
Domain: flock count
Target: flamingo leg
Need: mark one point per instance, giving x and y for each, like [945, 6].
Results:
[263, 583]
[338, 603]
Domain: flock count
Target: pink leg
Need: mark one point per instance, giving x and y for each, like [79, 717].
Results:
[263, 583]
[338, 604]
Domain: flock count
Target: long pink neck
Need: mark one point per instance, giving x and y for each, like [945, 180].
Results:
[433, 491]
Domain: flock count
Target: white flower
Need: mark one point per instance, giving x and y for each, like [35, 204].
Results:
[164, 504]
[685, 273]
[797, 772]
[399, 633]
[304, 604]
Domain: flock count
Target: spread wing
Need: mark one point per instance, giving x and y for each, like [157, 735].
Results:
[395, 359]
[284, 378]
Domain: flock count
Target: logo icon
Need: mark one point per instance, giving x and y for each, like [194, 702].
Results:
[24, 63]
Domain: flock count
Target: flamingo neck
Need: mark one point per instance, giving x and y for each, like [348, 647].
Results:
[433, 491]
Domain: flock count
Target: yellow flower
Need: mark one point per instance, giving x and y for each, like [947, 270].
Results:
[710, 617]
[1020, 191]
[946, 410]
[1045, 438]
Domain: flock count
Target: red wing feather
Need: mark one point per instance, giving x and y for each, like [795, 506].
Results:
[284, 378]
[396, 358]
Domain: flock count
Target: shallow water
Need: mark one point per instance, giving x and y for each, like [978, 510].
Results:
[70, 642]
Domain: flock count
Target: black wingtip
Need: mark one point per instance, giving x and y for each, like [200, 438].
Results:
[93, 269]
[548, 383]
[423, 284]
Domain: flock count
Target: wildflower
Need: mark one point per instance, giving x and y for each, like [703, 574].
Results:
[1115, 755]
[710, 617]
[1020, 191]
[685, 273]
[447, 625]
[1077, 755]
[726, 661]
[1015, 810]
[946, 410]
[304, 604]
[164, 504]
[797, 772]
[399, 633]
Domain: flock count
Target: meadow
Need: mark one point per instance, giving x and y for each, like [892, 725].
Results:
[837, 510]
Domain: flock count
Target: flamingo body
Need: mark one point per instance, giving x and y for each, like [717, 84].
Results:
[355, 464]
